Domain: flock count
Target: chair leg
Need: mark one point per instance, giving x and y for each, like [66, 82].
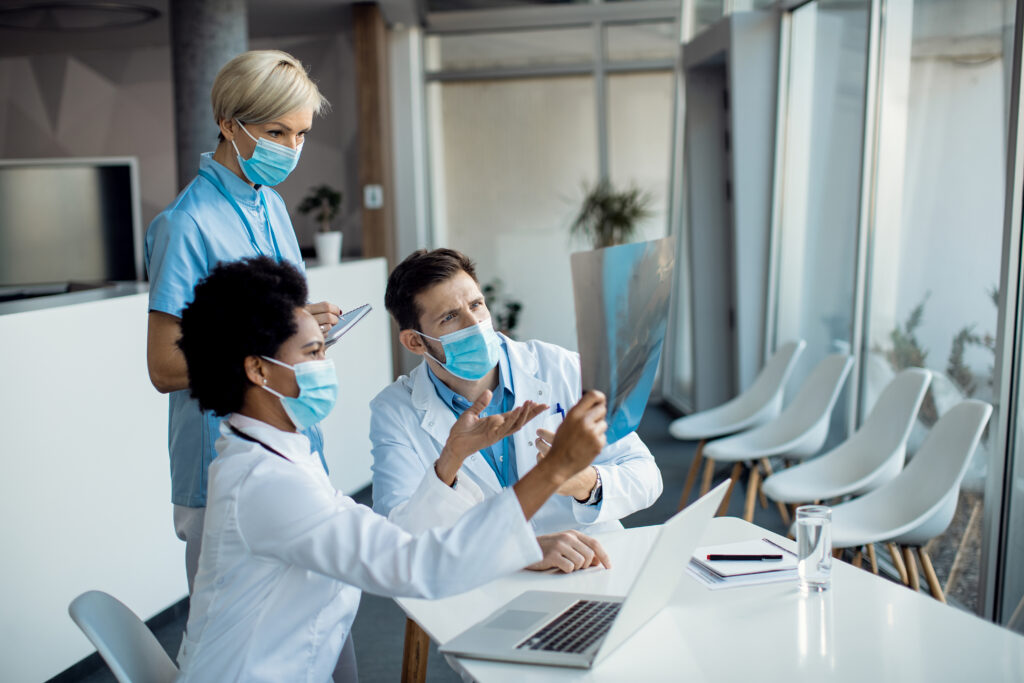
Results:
[766, 463]
[737, 470]
[873, 559]
[897, 561]
[691, 474]
[858, 559]
[753, 485]
[973, 523]
[415, 653]
[709, 473]
[908, 557]
[929, 574]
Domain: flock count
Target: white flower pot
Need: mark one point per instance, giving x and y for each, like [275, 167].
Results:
[328, 247]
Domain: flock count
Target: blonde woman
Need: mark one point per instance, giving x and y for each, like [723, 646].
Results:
[264, 103]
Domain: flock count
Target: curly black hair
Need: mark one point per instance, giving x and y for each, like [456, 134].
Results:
[420, 271]
[242, 308]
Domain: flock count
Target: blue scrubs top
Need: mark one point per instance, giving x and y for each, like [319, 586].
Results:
[501, 456]
[197, 231]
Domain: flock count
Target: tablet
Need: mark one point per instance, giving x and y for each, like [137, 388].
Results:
[345, 323]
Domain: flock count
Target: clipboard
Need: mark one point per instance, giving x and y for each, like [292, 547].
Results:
[345, 323]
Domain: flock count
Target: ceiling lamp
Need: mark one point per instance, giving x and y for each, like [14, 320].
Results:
[75, 16]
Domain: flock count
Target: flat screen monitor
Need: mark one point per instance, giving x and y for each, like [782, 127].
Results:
[69, 220]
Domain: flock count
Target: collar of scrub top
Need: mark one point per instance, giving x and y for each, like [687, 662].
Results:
[229, 185]
[504, 469]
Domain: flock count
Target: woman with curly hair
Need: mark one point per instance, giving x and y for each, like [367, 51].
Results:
[285, 556]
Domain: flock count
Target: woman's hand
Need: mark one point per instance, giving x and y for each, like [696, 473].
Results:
[579, 440]
[581, 484]
[326, 315]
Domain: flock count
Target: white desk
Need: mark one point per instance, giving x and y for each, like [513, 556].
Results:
[85, 493]
[865, 628]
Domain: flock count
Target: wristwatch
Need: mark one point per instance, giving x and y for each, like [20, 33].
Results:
[596, 492]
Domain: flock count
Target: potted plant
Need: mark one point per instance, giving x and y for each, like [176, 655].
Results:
[610, 216]
[504, 310]
[324, 202]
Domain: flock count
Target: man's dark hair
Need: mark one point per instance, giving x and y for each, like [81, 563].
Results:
[420, 271]
[243, 308]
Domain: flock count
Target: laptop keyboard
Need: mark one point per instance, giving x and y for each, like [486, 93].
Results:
[575, 629]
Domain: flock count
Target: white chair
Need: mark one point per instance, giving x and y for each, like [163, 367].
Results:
[758, 404]
[798, 432]
[126, 644]
[920, 502]
[871, 457]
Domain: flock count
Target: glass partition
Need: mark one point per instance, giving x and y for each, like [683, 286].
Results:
[821, 171]
[936, 244]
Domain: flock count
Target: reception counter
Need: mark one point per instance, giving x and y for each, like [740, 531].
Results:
[85, 494]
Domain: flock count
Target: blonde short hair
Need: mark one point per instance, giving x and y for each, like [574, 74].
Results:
[261, 85]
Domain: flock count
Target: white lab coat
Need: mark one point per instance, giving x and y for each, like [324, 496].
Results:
[285, 555]
[409, 424]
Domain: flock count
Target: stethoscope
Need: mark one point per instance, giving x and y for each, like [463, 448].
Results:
[245, 221]
[242, 435]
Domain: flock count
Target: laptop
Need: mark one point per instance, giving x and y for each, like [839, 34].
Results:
[579, 630]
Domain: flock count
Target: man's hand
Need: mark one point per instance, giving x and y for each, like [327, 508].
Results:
[471, 433]
[326, 315]
[578, 441]
[580, 485]
[570, 550]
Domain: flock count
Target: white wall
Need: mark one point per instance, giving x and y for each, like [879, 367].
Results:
[86, 489]
[510, 158]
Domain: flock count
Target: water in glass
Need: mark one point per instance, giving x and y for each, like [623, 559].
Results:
[814, 547]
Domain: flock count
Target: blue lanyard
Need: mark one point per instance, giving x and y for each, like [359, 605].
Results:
[245, 221]
[502, 470]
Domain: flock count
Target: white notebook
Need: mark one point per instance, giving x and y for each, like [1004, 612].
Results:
[732, 573]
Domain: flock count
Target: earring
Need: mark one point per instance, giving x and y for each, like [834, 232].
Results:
[264, 380]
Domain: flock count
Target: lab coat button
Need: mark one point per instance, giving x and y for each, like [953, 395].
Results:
[529, 443]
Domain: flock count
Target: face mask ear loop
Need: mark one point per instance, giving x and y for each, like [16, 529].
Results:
[283, 365]
[427, 353]
[275, 393]
[240, 125]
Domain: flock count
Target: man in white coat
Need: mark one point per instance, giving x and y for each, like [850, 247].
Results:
[451, 433]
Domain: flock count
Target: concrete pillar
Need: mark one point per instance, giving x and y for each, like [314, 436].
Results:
[205, 35]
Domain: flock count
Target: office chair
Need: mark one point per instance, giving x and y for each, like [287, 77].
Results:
[755, 406]
[126, 644]
[920, 502]
[798, 432]
[871, 457]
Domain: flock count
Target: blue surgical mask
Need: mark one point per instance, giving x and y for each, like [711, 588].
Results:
[270, 162]
[318, 390]
[471, 352]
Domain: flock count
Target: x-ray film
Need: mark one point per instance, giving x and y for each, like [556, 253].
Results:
[622, 296]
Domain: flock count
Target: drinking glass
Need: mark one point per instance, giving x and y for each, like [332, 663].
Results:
[814, 547]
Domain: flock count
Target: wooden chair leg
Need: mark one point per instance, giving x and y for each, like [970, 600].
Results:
[752, 486]
[415, 653]
[873, 559]
[767, 473]
[929, 574]
[709, 473]
[858, 559]
[737, 470]
[908, 557]
[691, 474]
[897, 561]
